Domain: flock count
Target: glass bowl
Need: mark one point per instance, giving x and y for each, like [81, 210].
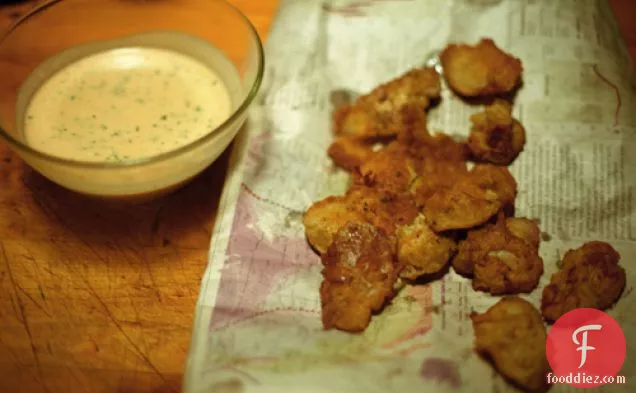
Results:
[59, 34]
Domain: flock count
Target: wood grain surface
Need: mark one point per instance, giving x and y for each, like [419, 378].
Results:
[98, 297]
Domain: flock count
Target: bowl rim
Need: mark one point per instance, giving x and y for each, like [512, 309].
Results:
[237, 113]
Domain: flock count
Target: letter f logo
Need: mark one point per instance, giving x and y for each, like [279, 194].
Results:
[584, 347]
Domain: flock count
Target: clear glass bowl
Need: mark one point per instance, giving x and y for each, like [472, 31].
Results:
[71, 26]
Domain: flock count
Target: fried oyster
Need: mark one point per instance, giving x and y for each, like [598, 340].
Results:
[495, 136]
[360, 270]
[324, 218]
[471, 200]
[511, 334]
[382, 209]
[590, 277]
[463, 205]
[411, 193]
[499, 180]
[391, 169]
[502, 257]
[480, 70]
[349, 153]
[422, 251]
[378, 114]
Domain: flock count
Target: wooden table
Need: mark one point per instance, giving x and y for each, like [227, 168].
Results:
[101, 298]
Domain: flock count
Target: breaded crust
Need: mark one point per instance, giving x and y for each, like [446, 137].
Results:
[324, 218]
[495, 136]
[359, 273]
[378, 114]
[349, 153]
[502, 257]
[422, 251]
[512, 336]
[589, 278]
[480, 70]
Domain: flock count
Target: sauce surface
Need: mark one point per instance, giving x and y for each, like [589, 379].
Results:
[125, 104]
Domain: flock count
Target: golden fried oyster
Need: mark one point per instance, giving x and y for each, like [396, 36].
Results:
[437, 147]
[498, 180]
[391, 169]
[421, 251]
[324, 218]
[470, 199]
[360, 271]
[414, 125]
[480, 70]
[503, 257]
[589, 278]
[349, 153]
[382, 209]
[440, 162]
[512, 336]
[378, 114]
[495, 136]
[463, 205]
[433, 177]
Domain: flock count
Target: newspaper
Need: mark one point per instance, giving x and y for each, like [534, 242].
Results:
[257, 325]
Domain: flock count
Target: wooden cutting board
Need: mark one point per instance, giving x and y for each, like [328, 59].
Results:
[96, 297]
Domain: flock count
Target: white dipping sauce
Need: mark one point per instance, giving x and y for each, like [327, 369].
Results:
[125, 104]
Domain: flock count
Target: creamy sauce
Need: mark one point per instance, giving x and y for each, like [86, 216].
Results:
[125, 104]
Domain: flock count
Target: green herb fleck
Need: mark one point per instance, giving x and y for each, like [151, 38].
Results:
[72, 98]
[103, 126]
[198, 108]
[137, 129]
[113, 157]
[29, 117]
[164, 117]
